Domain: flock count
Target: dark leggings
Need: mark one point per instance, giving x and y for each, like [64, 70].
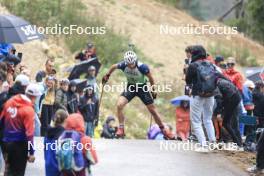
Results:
[15, 155]
[47, 113]
[231, 119]
[260, 152]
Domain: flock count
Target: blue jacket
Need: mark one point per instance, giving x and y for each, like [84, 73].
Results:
[247, 96]
[51, 163]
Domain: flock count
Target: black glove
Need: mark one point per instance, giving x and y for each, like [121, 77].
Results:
[154, 95]
[105, 78]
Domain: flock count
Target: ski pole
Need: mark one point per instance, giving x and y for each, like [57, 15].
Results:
[101, 96]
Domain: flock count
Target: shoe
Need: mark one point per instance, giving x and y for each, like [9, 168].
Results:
[168, 135]
[255, 170]
[202, 149]
[120, 133]
[213, 146]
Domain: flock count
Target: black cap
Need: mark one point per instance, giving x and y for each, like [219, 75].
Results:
[219, 59]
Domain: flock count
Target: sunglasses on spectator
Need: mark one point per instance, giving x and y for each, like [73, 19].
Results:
[230, 64]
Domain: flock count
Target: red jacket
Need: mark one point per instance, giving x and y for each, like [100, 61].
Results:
[18, 114]
[235, 77]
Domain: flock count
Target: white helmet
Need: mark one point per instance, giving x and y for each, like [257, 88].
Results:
[33, 90]
[130, 57]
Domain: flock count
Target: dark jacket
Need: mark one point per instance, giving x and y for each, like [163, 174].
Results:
[73, 102]
[51, 164]
[90, 111]
[108, 132]
[225, 91]
[258, 100]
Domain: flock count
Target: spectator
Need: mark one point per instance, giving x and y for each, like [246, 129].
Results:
[89, 109]
[18, 119]
[258, 100]
[109, 128]
[72, 98]
[61, 101]
[183, 120]
[259, 167]
[202, 101]
[89, 53]
[154, 132]
[218, 116]
[248, 87]
[37, 108]
[75, 122]
[5, 49]
[234, 75]
[188, 59]
[49, 71]
[219, 62]
[21, 82]
[47, 110]
[91, 79]
[53, 133]
[230, 104]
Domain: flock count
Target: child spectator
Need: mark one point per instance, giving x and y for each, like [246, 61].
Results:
[248, 87]
[109, 128]
[75, 122]
[72, 98]
[91, 79]
[183, 120]
[53, 133]
[61, 101]
[89, 109]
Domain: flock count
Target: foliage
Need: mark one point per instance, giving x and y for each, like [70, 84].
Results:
[242, 54]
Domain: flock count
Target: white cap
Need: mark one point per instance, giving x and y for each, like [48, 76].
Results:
[33, 90]
[249, 84]
[23, 79]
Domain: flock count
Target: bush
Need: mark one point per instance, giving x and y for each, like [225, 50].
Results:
[242, 54]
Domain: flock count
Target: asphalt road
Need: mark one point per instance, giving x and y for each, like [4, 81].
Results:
[149, 158]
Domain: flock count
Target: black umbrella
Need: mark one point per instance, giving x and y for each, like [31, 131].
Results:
[14, 29]
[82, 68]
[81, 84]
[259, 76]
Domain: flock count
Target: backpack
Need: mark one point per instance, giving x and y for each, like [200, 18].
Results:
[206, 79]
[69, 152]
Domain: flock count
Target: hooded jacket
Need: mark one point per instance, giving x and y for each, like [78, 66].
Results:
[90, 111]
[18, 118]
[72, 101]
[75, 122]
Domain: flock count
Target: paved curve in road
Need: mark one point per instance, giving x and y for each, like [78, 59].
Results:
[146, 158]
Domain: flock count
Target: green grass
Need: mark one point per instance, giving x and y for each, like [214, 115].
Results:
[242, 54]
[110, 49]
